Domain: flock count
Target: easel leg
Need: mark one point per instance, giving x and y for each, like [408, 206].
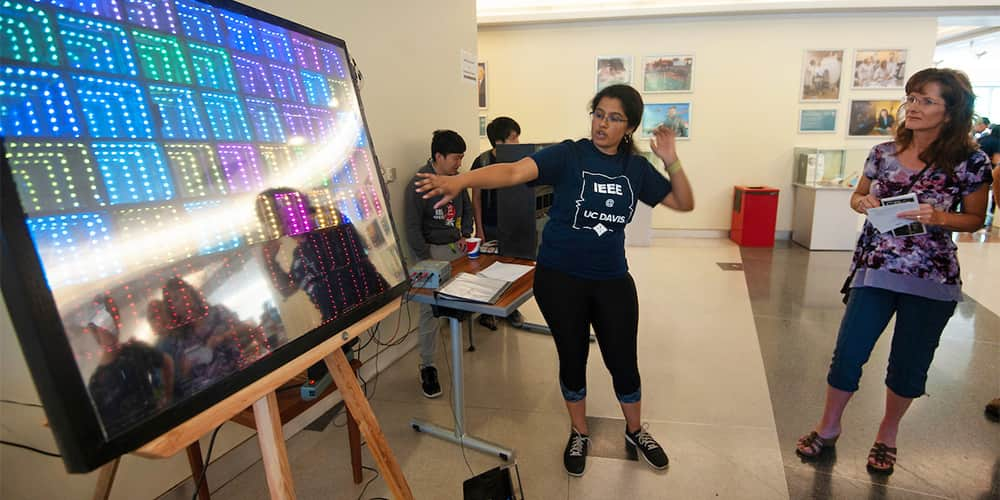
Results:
[356, 402]
[354, 435]
[272, 448]
[105, 479]
[197, 467]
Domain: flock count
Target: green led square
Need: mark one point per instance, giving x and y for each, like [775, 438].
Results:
[161, 57]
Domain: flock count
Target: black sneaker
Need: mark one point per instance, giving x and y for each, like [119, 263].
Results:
[575, 456]
[429, 382]
[516, 319]
[648, 448]
[488, 321]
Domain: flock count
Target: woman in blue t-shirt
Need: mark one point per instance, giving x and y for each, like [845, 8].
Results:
[911, 272]
[582, 278]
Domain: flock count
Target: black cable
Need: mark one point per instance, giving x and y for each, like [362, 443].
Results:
[21, 403]
[30, 448]
[461, 440]
[376, 476]
[204, 467]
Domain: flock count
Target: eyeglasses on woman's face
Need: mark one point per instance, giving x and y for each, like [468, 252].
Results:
[612, 118]
[921, 102]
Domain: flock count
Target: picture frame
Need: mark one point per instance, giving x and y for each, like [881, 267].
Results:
[817, 121]
[873, 117]
[878, 69]
[822, 70]
[481, 84]
[611, 70]
[667, 74]
[482, 125]
[676, 113]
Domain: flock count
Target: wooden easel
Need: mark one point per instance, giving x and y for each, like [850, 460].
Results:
[261, 395]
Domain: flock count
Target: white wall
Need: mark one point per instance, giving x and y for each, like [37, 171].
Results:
[745, 98]
[409, 53]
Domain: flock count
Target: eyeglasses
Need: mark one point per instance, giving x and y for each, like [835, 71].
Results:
[922, 102]
[613, 118]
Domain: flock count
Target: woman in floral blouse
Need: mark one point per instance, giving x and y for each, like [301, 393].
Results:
[911, 273]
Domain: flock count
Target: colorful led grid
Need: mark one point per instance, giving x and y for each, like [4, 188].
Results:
[343, 95]
[212, 238]
[177, 109]
[305, 52]
[96, 46]
[226, 118]
[275, 43]
[107, 9]
[153, 14]
[74, 247]
[196, 169]
[317, 93]
[240, 167]
[198, 22]
[133, 171]
[293, 211]
[241, 32]
[26, 34]
[161, 58]
[287, 83]
[53, 176]
[265, 120]
[114, 109]
[274, 159]
[212, 68]
[315, 124]
[331, 59]
[146, 232]
[252, 75]
[35, 103]
[327, 214]
[376, 194]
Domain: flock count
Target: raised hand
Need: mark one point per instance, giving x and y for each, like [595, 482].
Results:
[445, 186]
[664, 144]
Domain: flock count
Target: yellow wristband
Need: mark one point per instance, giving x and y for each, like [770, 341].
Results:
[674, 167]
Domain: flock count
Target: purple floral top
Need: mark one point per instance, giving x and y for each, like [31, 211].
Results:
[925, 264]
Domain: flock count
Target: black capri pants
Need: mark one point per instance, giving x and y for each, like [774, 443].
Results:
[570, 306]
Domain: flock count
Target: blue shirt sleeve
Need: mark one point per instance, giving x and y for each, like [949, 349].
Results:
[551, 163]
[655, 187]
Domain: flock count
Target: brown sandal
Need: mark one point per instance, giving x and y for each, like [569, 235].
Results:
[884, 459]
[815, 444]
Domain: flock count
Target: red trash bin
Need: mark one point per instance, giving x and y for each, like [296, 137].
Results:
[755, 213]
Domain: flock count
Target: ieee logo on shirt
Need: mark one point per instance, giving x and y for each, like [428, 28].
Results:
[605, 204]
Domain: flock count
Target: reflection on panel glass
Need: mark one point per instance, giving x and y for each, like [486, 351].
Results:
[198, 184]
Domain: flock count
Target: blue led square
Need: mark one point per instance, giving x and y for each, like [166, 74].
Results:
[54, 176]
[177, 110]
[252, 75]
[275, 43]
[305, 52]
[265, 119]
[315, 124]
[287, 84]
[317, 93]
[198, 21]
[212, 68]
[133, 172]
[74, 248]
[35, 103]
[26, 34]
[241, 32]
[114, 109]
[213, 235]
[96, 46]
[331, 59]
[107, 9]
[226, 118]
[157, 15]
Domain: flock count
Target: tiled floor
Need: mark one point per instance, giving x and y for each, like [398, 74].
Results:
[733, 366]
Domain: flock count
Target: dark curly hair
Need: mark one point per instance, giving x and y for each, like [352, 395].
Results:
[954, 144]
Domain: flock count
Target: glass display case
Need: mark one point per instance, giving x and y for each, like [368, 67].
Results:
[816, 166]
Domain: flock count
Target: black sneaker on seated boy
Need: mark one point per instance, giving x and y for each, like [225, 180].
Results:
[648, 448]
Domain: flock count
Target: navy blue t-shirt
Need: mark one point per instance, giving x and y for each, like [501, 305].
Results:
[594, 198]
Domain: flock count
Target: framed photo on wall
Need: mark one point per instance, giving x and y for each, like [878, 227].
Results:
[817, 121]
[873, 117]
[879, 69]
[481, 84]
[482, 125]
[676, 115]
[662, 74]
[821, 70]
[613, 69]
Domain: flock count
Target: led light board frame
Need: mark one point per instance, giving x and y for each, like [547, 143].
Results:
[190, 199]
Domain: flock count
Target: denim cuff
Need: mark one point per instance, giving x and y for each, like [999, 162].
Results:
[635, 397]
[573, 396]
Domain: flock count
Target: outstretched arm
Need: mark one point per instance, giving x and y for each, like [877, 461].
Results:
[498, 175]
[664, 146]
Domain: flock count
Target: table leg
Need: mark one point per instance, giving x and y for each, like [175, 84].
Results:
[197, 467]
[458, 435]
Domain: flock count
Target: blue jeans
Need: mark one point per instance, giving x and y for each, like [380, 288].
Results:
[919, 323]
